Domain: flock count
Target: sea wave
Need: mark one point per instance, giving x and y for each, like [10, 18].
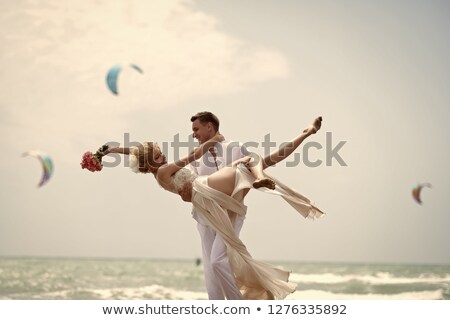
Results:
[79, 279]
[158, 292]
[153, 292]
[377, 279]
[326, 295]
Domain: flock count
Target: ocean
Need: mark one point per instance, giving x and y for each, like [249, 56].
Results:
[146, 279]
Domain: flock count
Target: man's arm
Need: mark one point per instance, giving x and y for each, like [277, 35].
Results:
[186, 192]
[167, 171]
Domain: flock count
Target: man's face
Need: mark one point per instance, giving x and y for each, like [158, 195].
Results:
[202, 132]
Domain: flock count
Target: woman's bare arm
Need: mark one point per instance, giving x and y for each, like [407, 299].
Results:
[289, 147]
[116, 150]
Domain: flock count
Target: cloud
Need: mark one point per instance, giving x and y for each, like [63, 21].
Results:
[56, 54]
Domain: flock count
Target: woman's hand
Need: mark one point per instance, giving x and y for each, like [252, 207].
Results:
[103, 150]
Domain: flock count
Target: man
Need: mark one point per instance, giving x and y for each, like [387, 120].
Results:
[219, 279]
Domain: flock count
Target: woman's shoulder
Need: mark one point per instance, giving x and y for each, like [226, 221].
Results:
[163, 172]
[165, 180]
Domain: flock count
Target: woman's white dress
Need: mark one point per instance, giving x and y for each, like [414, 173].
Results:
[257, 280]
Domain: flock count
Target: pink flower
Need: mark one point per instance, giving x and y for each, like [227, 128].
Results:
[92, 162]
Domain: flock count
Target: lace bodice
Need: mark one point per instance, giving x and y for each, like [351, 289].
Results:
[182, 176]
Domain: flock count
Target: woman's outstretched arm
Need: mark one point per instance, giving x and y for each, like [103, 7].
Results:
[289, 147]
[115, 150]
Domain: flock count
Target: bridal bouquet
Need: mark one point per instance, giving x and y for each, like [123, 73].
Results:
[93, 162]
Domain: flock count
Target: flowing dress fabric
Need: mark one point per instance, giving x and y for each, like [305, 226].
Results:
[257, 280]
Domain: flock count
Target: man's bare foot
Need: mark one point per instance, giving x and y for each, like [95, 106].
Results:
[314, 127]
[264, 182]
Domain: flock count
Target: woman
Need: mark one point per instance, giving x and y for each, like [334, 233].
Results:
[219, 198]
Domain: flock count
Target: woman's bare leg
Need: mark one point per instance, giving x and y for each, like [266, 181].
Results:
[287, 149]
[255, 165]
[314, 127]
[223, 180]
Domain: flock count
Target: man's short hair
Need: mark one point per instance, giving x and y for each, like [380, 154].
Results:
[205, 117]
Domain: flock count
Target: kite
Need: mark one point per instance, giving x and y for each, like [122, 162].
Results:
[113, 74]
[47, 165]
[416, 191]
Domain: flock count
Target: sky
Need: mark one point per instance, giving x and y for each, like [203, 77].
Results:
[377, 72]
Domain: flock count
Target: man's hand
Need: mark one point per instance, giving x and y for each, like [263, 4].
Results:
[218, 137]
[186, 192]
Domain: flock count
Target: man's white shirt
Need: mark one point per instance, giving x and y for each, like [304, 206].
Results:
[226, 153]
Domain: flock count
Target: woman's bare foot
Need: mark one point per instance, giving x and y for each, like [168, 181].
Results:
[264, 182]
[314, 127]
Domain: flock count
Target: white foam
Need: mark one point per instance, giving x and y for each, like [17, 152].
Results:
[157, 292]
[153, 292]
[378, 278]
[326, 295]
